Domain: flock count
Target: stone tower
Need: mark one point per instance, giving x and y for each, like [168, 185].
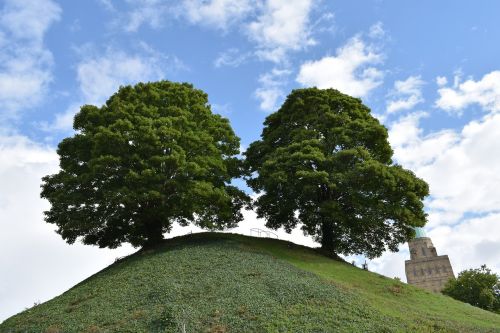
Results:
[426, 269]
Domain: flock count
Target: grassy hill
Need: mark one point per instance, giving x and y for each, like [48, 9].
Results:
[219, 283]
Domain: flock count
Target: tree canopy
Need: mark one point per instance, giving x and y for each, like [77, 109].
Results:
[479, 287]
[151, 156]
[325, 162]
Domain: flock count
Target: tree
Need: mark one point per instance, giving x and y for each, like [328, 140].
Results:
[323, 161]
[479, 287]
[152, 156]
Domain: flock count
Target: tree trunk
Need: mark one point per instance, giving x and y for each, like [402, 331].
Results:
[154, 233]
[327, 242]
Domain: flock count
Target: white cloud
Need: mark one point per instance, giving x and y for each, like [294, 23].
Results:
[470, 244]
[217, 13]
[406, 95]
[25, 64]
[281, 26]
[460, 167]
[464, 177]
[351, 71]
[324, 23]
[412, 148]
[271, 92]
[275, 26]
[231, 57]
[222, 109]
[63, 122]
[101, 74]
[29, 20]
[377, 30]
[149, 12]
[484, 92]
[107, 4]
[152, 13]
[441, 81]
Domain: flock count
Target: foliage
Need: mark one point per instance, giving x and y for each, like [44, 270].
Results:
[479, 287]
[152, 156]
[233, 283]
[324, 162]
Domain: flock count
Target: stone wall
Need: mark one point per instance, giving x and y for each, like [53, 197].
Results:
[426, 269]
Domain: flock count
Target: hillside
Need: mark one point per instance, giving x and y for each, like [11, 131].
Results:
[214, 282]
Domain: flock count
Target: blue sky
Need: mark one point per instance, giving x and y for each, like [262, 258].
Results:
[429, 70]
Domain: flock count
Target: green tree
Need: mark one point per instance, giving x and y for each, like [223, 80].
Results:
[323, 161]
[152, 156]
[479, 287]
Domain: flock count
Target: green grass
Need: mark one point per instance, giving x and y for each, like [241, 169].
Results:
[231, 283]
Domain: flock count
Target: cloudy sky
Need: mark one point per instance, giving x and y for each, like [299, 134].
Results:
[428, 70]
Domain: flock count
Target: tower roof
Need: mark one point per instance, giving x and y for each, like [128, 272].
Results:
[419, 232]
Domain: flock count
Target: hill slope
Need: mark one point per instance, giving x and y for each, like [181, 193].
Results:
[232, 283]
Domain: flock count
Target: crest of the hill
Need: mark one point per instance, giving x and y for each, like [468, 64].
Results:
[232, 283]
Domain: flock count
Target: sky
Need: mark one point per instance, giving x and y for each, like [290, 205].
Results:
[428, 70]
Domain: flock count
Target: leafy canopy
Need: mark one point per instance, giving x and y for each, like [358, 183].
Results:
[152, 156]
[479, 287]
[325, 162]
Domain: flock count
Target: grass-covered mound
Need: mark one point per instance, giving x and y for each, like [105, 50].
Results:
[232, 283]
